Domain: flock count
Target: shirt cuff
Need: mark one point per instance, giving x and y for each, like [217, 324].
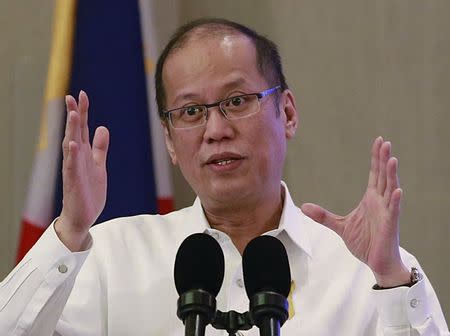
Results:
[403, 306]
[49, 250]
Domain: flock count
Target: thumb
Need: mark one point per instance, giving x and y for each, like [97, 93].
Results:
[323, 216]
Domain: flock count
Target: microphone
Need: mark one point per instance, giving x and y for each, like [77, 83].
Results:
[267, 279]
[199, 270]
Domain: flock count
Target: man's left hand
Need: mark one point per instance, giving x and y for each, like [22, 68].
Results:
[371, 230]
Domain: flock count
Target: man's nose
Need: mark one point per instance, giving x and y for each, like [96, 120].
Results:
[218, 127]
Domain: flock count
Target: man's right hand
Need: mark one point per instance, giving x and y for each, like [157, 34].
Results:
[84, 175]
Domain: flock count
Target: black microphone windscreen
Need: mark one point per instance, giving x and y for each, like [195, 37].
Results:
[199, 264]
[266, 266]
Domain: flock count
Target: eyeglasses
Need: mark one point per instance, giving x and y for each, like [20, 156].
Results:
[236, 107]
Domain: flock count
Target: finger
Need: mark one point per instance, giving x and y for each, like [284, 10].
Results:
[385, 153]
[83, 106]
[392, 179]
[373, 174]
[65, 142]
[71, 104]
[72, 132]
[323, 216]
[100, 145]
[71, 159]
[394, 204]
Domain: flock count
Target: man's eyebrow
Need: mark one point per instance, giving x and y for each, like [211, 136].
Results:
[236, 82]
[183, 97]
[186, 96]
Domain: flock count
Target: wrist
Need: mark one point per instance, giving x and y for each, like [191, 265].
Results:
[399, 277]
[414, 277]
[74, 240]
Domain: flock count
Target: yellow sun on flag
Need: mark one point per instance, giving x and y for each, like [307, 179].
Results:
[149, 64]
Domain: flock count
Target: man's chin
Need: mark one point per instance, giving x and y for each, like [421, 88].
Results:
[227, 191]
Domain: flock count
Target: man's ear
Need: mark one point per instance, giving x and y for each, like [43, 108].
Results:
[289, 113]
[169, 143]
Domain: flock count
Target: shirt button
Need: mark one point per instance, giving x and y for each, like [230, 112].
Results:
[62, 268]
[240, 283]
[414, 303]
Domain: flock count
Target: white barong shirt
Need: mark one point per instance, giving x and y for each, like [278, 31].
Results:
[123, 284]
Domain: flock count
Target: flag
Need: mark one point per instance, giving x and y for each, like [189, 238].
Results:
[110, 63]
[160, 155]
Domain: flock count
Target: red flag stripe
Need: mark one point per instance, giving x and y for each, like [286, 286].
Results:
[30, 233]
[165, 205]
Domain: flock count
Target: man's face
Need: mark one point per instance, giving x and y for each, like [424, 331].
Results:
[226, 162]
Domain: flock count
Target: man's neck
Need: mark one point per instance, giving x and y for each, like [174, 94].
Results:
[247, 222]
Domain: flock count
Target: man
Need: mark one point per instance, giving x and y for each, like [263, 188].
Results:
[227, 114]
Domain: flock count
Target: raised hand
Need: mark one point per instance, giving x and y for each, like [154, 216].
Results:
[371, 230]
[84, 174]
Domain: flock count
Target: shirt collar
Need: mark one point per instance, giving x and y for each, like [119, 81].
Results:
[292, 221]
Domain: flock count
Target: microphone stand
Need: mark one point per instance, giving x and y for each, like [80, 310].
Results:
[195, 324]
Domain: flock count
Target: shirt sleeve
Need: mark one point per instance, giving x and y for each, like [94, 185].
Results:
[410, 310]
[33, 295]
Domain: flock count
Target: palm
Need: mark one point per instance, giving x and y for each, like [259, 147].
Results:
[371, 230]
[368, 230]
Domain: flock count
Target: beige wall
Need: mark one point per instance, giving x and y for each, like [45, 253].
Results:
[358, 68]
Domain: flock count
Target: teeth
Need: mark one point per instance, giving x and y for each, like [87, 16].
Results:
[224, 162]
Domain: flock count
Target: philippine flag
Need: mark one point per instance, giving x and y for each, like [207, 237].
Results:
[109, 52]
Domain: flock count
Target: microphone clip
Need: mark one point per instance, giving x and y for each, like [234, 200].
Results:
[268, 311]
[232, 321]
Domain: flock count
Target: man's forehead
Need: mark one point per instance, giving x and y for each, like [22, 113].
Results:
[203, 50]
[226, 39]
[211, 65]
[212, 51]
[209, 32]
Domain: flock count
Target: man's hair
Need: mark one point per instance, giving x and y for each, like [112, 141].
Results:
[267, 56]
